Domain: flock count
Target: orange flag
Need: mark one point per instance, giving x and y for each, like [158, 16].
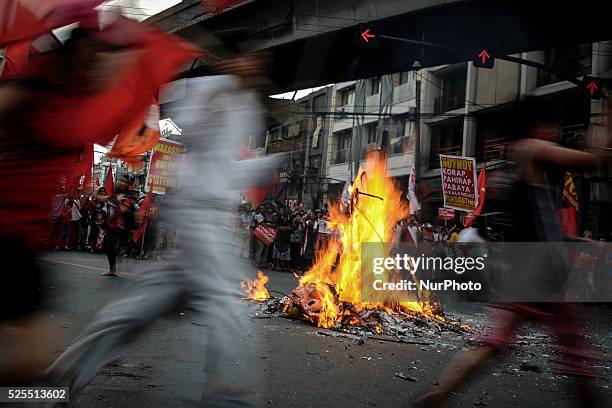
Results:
[138, 137]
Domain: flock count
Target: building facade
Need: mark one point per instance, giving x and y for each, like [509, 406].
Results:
[464, 110]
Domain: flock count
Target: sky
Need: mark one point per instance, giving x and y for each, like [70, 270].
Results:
[296, 95]
[138, 9]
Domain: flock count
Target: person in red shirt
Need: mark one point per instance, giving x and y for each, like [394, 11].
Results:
[84, 93]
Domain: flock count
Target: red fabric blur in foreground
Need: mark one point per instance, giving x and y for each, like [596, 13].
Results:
[561, 321]
[45, 135]
[26, 19]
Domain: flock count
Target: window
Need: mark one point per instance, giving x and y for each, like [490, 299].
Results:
[347, 96]
[274, 134]
[445, 139]
[404, 77]
[371, 133]
[452, 91]
[343, 140]
[315, 162]
[399, 140]
[374, 86]
[400, 127]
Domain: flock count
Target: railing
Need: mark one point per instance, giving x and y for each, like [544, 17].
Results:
[398, 146]
[573, 62]
[434, 160]
[495, 149]
[445, 103]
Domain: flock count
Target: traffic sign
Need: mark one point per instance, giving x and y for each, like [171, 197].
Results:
[593, 87]
[367, 37]
[484, 59]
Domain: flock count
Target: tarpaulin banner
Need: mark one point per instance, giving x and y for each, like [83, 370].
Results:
[267, 235]
[446, 214]
[165, 159]
[459, 182]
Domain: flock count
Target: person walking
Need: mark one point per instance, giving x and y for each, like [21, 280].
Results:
[216, 114]
[539, 272]
[116, 223]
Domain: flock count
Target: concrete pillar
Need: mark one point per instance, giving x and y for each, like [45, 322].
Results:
[529, 75]
[469, 124]
[429, 91]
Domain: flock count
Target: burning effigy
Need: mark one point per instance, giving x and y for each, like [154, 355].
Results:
[329, 294]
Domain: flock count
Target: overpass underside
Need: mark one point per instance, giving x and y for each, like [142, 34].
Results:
[316, 42]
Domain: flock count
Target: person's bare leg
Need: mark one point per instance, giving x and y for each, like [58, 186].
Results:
[34, 340]
[464, 364]
[588, 394]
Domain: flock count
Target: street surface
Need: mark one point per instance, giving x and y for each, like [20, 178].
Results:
[298, 367]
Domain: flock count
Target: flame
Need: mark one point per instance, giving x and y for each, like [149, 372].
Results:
[336, 273]
[256, 289]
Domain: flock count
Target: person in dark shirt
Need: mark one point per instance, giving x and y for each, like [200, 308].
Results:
[282, 249]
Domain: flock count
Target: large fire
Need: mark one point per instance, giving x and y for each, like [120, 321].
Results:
[256, 289]
[330, 292]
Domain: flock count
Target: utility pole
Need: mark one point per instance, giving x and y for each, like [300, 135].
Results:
[416, 66]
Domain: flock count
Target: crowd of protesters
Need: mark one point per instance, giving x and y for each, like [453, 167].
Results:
[105, 222]
[293, 235]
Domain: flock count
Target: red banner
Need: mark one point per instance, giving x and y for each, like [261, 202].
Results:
[267, 235]
[459, 182]
[165, 161]
[446, 214]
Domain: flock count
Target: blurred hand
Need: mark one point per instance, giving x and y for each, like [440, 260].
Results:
[245, 66]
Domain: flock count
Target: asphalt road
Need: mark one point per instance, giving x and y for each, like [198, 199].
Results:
[297, 366]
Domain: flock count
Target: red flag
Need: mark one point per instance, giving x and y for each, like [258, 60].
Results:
[482, 189]
[142, 211]
[568, 219]
[16, 59]
[27, 19]
[255, 195]
[83, 168]
[66, 121]
[109, 185]
[102, 117]
[568, 216]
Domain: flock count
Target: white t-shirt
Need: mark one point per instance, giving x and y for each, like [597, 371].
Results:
[470, 234]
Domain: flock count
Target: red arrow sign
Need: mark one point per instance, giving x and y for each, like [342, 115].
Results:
[484, 55]
[592, 87]
[366, 35]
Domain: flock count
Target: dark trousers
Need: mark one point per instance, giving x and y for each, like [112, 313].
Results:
[113, 236]
[296, 258]
[93, 235]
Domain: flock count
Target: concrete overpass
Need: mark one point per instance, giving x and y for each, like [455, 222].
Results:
[314, 42]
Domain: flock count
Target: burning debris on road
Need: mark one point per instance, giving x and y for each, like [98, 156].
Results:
[256, 289]
[329, 295]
